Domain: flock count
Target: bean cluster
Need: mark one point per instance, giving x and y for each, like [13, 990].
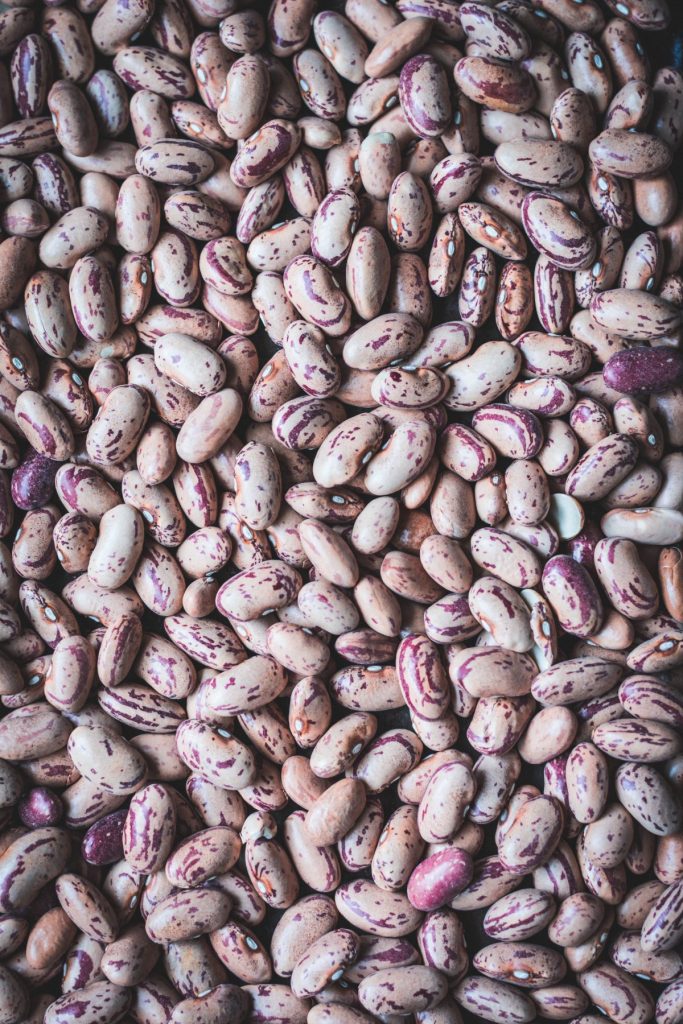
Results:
[341, 489]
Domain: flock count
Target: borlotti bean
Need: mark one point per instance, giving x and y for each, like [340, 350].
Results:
[341, 512]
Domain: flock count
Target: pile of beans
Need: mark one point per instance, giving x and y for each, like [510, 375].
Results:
[341, 489]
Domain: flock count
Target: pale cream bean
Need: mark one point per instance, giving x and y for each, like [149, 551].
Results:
[368, 269]
[71, 674]
[661, 814]
[577, 918]
[190, 363]
[494, 1000]
[617, 993]
[297, 648]
[312, 289]
[325, 961]
[375, 525]
[158, 580]
[445, 802]
[422, 677]
[519, 915]
[419, 988]
[409, 217]
[483, 376]
[329, 553]
[388, 757]
[107, 760]
[617, 823]
[272, 249]
[379, 162]
[85, 905]
[209, 426]
[37, 733]
[492, 671]
[312, 365]
[118, 426]
[119, 545]
[93, 997]
[662, 526]
[374, 911]
[334, 812]
[334, 226]
[502, 612]
[44, 426]
[402, 459]
[243, 100]
[258, 486]
[265, 152]
[543, 815]
[75, 234]
[398, 849]
[220, 758]
[378, 605]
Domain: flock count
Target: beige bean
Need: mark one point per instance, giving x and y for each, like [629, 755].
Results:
[87, 908]
[107, 760]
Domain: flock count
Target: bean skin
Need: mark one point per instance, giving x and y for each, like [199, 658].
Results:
[340, 512]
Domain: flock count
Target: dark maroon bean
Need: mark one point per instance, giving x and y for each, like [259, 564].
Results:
[640, 371]
[103, 842]
[33, 481]
[40, 807]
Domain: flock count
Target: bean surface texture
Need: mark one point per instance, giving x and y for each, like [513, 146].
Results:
[341, 511]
